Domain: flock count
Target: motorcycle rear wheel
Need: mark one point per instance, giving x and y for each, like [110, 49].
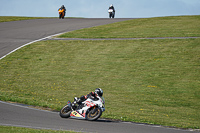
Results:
[92, 116]
[65, 112]
[113, 15]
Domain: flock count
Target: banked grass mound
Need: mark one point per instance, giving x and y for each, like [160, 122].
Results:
[177, 26]
[150, 81]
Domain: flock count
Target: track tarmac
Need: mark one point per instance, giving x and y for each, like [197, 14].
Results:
[24, 116]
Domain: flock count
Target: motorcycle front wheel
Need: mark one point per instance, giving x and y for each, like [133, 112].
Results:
[94, 114]
[59, 16]
[110, 15]
[65, 112]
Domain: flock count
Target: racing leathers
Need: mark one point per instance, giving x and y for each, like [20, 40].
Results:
[79, 101]
[112, 7]
[91, 95]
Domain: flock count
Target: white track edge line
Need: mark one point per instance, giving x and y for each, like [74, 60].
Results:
[30, 43]
[27, 107]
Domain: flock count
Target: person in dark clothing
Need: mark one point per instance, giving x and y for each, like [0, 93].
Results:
[93, 95]
[112, 7]
[111, 11]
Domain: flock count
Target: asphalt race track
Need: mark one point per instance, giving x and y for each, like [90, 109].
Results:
[18, 33]
[22, 116]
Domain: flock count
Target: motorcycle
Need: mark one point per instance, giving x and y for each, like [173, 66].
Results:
[111, 13]
[89, 110]
[61, 13]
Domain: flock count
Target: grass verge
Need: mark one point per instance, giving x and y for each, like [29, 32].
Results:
[176, 26]
[8, 129]
[17, 18]
[150, 81]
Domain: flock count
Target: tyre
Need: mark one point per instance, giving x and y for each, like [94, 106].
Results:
[65, 112]
[93, 114]
[113, 16]
[60, 16]
[110, 15]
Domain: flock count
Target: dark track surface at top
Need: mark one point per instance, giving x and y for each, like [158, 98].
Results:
[17, 33]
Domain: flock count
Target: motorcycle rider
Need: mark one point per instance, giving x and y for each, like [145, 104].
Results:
[92, 95]
[63, 7]
[112, 7]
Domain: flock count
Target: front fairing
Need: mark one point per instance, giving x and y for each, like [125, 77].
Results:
[76, 114]
[110, 10]
[69, 103]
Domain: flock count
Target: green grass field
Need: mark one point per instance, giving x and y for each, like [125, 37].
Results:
[178, 26]
[8, 129]
[17, 18]
[149, 81]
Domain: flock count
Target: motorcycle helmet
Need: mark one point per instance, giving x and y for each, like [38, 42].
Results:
[99, 92]
[111, 5]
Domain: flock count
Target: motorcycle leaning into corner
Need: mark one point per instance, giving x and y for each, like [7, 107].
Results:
[89, 109]
[61, 13]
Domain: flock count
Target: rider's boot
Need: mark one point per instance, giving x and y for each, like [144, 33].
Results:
[74, 105]
[76, 101]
